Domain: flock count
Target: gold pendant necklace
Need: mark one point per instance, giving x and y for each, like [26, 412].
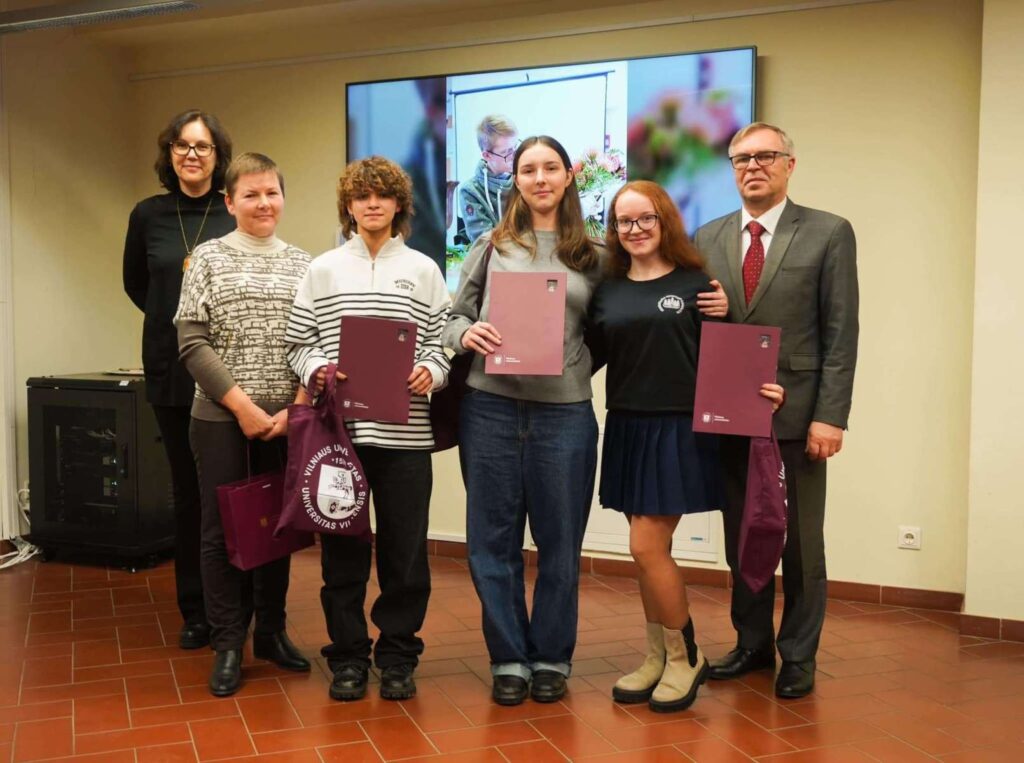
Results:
[184, 239]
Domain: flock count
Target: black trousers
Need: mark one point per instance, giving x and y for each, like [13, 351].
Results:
[804, 579]
[173, 421]
[400, 482]
[223, 455]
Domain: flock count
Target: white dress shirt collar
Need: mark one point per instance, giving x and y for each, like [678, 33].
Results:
[770, 219]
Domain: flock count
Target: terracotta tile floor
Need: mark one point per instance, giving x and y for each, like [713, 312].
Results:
[92, 674]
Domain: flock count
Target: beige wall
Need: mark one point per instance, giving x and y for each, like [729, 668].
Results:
[995, 564]
[878, 97]
[71, 163]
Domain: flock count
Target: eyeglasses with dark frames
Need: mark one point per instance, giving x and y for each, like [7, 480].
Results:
[761, 159]
[182, 148]
[624, 226]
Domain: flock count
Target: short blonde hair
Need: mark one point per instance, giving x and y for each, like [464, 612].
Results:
[753, 127]
[492, 127]
[383, 177]
[250, 163]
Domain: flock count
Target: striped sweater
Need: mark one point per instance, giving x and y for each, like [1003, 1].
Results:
[400, 284]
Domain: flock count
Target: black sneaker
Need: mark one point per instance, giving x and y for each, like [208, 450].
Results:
[547, 686]
[349, 682]
[396, 682]
[509, 690]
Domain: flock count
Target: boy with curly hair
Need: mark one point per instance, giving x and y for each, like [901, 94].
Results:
[375, 274]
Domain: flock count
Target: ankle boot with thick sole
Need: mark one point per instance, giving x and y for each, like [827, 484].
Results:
[638, 685]
[685, 670]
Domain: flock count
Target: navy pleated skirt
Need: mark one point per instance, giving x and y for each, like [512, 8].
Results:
[656, 464]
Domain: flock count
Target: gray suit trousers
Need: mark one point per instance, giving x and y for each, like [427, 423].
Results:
[803, 560]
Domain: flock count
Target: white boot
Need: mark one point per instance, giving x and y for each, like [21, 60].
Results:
[638, 685]
[685, 670]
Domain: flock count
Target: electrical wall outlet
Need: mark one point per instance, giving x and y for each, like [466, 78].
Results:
[909, 537]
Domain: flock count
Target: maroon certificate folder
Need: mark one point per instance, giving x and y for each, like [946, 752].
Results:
[528, 310]
[377, 356]
[735, 360]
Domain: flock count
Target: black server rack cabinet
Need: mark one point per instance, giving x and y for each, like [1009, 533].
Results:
[99, 479]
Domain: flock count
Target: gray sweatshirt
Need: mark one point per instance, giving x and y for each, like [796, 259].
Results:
[573, 385]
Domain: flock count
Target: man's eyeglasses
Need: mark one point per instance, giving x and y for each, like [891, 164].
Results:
[761, 159]
[645, 222]
[504, 155]
[181, 148]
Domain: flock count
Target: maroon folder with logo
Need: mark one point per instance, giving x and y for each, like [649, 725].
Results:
[735, 360]
[528, 310]
[377, 356]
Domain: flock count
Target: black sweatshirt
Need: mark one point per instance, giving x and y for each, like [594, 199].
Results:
[153, 255]
[648, 333]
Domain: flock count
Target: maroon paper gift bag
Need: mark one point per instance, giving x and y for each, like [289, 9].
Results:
[249, 511]
[324, 487]
[763, 528]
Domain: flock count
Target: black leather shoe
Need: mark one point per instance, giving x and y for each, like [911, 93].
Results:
[279, 649]
[739, 662]
[227, 673]
[397, 682]
[547, 686]
[795, 680]
[349, 682]
[194, 636]
[509, 690]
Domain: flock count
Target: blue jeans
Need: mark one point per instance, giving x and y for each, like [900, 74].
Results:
[524, 460]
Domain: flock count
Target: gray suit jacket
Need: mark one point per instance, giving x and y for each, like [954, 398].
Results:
[809, 288]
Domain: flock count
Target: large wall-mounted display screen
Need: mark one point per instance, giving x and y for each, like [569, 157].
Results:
[666, 118]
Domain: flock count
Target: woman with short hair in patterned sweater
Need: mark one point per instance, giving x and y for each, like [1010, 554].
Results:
[235, 300]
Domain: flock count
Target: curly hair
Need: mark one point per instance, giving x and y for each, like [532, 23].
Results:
[676, 246]
[221, 141]
[378, 175]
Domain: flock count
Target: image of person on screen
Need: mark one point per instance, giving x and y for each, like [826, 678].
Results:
[786, 265]
[645, 323]
[374, 274]
[483, 197]
[426, 165]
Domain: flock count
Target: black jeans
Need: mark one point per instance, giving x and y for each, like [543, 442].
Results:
[173, 421]
[223, 455]
[400, 482]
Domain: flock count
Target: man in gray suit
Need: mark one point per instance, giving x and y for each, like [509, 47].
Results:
[786, 265]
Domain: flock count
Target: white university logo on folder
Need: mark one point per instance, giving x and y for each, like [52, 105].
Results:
[335, 495]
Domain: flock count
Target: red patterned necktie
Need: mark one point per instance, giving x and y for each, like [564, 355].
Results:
[753, 263]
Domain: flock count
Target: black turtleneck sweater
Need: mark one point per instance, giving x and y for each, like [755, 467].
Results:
[153, 255]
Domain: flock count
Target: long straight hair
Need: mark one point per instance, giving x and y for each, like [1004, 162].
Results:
[573, 247]
[675, 244]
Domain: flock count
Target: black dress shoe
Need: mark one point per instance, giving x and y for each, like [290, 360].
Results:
[739, 662]
[547, 686]
[279, 649]
[396, 682]
[795, 680]
[349, 682]
[227, 673]
[194, 636]
[509, 690]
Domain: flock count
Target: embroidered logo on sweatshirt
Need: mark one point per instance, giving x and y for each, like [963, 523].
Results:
[404, 284]
[671, 303]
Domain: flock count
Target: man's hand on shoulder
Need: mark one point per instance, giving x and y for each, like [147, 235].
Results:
[823, 441]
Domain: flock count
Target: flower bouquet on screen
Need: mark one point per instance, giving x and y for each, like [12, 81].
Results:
[598, 176]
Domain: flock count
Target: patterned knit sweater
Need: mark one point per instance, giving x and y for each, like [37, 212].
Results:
[231, 319]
